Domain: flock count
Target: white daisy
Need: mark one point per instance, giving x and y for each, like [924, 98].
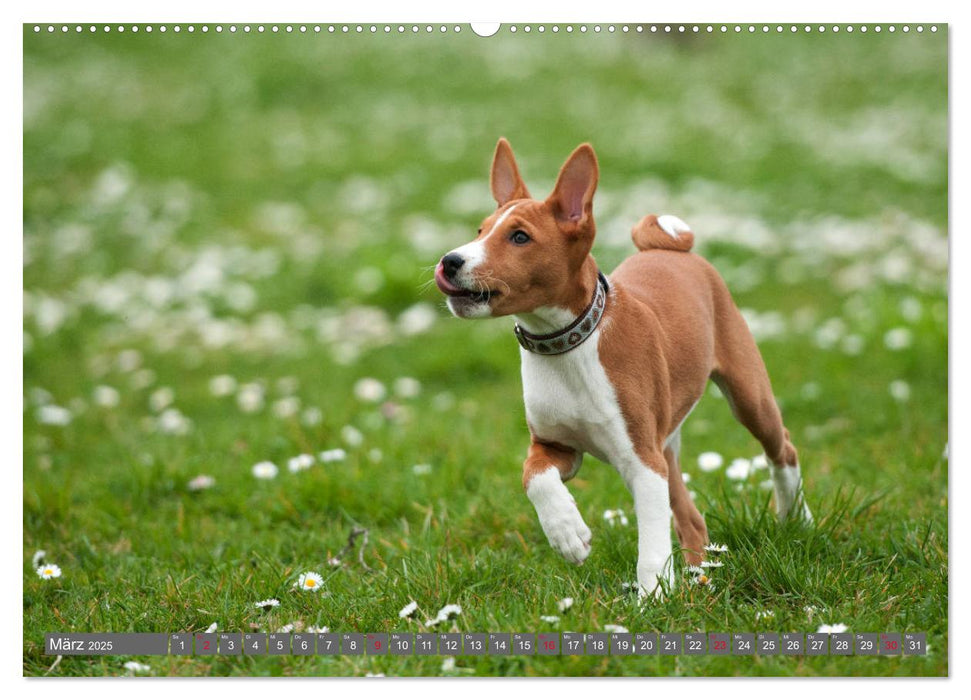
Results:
[407, 387]
[222, 385]
[352, 436]
[38, 557]
[615, 516]
[898, 338]
[266, 605]
[173, 422]
[286, 629]
[739, 469]
[422, 469]
[714, 547]
[694, 570]
[134, 667]
[417, 319]
[48, 571]
[335, 455]
[106, 396]
[615, 628]
[212, 628]
[764, 614]
[408, 610]
[760, 462]
[286, 407]
[309, 581]
[250, 398]
[201, 483]
[300, 463]
[900, 390]
[317, 630]
[710, 461]
[685, 477]
[832, 629]
[552, 619]
[564, 604]
[265, 470]
[53, 415]
[312, 416]
[161, 398]
[711, 564]
[448, 664]
[334, 562]
[369, 389]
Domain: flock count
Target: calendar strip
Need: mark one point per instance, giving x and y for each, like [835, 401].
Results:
[489, 644]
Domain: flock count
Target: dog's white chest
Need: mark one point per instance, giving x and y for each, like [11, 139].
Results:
[570, 400]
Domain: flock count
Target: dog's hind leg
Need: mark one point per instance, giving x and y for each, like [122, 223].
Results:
[741, 375]
[546, 467]
[688, 522]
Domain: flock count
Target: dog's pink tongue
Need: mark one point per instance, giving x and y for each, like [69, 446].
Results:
[443, 284]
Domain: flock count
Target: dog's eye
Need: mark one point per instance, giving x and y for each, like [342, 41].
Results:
[519, 237]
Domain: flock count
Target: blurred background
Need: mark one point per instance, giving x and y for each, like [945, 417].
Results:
[229, 242]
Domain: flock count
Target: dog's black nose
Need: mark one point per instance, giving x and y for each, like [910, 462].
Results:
[451, 264]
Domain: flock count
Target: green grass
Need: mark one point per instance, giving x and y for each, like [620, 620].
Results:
[268, 207]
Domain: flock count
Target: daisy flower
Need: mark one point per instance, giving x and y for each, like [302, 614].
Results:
[352, 436]
[715, 547]
[552, 619]
[710, 461]
[53, 415]
[739, 469]
[38, 557]
[300, 463]
[695, 570]
[106, 396]
[335, 455]
[564, 604]
[134, 667]
[309, 581]
[832, 629]
[615, 516]
[422, 469]
[265, 470]
[369, 389]
[266, 605]
[701, 580]
[201, 483]
[448, 664]
[317, 630]
[760, 462]
[48, 571]
[408, 610]
[333, 561]
[407, 387]
[764, 615]
[711, 564]
[212, 628]
[615, 628]
[222, 385]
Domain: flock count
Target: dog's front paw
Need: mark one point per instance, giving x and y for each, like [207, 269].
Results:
[559, 517]
[652, 584]
[567, 534]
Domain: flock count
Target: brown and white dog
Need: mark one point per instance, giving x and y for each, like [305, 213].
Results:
[613, 367]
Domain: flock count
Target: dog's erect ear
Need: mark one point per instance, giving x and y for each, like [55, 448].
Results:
[506, 183]
[572, 198]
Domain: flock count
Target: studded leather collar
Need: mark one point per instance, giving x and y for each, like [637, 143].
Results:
[566, 339]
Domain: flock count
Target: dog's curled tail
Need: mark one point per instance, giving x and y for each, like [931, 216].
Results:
[665, 232]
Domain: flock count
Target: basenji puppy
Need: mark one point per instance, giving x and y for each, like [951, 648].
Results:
[613, 366]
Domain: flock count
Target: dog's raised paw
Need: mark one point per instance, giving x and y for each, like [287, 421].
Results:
[559, 517]
[569, 536]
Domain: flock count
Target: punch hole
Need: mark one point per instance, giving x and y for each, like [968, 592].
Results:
[681, 29]
[527, 29]
[596, 28]
[205, 29]
[148, 28]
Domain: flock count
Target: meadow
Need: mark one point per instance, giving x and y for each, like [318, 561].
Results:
[228, 245]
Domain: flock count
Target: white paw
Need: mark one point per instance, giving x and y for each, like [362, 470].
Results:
[652, 583]
[559, 517]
